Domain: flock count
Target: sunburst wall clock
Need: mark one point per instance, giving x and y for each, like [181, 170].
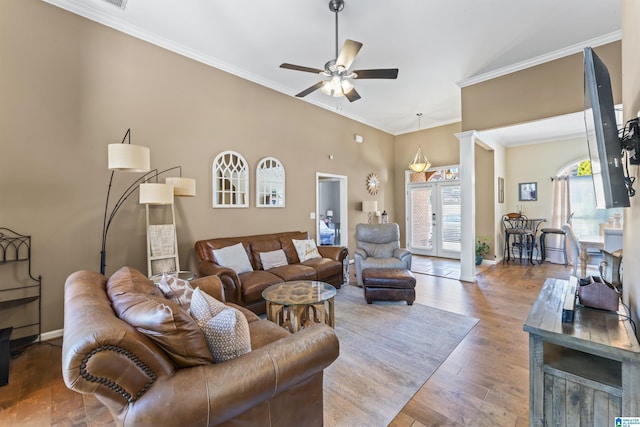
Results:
[373, 184]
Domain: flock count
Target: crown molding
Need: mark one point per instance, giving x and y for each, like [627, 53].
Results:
[551, 56]
[82, 9]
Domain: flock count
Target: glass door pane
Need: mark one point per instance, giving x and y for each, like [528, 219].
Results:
[450, 239]
[420, 220]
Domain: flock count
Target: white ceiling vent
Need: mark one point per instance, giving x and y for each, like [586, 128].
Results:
[120, 3]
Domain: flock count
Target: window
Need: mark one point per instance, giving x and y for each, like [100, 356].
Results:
[586, 218]
[451, 173]
[230, 180]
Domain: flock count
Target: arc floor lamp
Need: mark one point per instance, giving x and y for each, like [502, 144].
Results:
[127, 157]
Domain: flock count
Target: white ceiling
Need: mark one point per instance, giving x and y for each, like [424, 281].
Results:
[438, 45]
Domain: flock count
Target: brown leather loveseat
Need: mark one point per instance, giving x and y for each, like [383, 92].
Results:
[144, 381]
[245, 289]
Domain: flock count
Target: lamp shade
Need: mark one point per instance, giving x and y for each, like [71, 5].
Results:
[129, 158]
[419, 163]
[182, 187]
[156, 194]
[329, 213]
[370, 206]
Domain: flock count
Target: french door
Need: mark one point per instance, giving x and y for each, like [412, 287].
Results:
[434, 219]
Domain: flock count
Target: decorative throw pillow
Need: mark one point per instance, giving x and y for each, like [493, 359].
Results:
[233, 257]
[306, 249]
[225, 328]
[273, 259]
[176, 289]
[137, 301]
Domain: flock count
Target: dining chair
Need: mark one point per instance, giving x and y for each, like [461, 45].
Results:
[515, 224]
[546, 231]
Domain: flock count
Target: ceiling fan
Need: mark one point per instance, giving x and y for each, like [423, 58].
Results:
[337, 70]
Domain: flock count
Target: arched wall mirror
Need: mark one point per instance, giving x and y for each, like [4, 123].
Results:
[230, 172]
[270, 183]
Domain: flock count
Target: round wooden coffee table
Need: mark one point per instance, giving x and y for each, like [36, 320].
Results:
[298, 304]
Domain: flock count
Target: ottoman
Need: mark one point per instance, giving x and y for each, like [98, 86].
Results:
[389, 284]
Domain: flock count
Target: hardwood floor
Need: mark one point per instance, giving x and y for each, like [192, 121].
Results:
[485, 381]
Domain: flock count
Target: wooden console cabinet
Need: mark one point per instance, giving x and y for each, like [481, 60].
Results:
[584, 373]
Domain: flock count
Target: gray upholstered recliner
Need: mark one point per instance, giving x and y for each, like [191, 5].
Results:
[378, 246]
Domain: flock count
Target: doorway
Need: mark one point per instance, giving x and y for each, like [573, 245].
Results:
[331, 209]
[434, 218]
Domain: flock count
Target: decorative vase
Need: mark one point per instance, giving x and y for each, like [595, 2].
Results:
[478, 259]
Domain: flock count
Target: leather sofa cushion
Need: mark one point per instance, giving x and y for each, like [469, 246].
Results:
[287, 244]
[254, 282]
[265, 332]
[295, 272]
[378, 250]
[250, 315]
[137, 301]
[259, 246]
[325, 267]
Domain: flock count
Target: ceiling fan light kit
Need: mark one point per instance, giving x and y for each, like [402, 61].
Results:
[337, 70]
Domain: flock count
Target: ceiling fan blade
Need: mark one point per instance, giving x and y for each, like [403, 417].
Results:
[301, 68]
[384, 73]
[348, 53]
[310, 89]
[352, 95]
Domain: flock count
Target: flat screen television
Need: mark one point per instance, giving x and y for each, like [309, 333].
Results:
[605, 149]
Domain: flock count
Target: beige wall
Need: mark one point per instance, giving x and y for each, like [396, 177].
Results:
[70, 87]
[485, 196]
[440, 146]
[546, 90]
[538, 163]
[631, 103]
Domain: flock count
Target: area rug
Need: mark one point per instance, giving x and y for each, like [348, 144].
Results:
[387, 352]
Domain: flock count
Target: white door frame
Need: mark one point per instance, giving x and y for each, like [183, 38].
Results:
[437, 238]
[344, 224]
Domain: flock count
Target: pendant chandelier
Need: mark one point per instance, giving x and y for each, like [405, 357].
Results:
[419, 163]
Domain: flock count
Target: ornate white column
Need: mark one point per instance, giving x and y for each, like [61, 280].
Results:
[468, 204]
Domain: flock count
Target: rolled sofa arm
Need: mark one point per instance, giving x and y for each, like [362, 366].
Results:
[212, 394]
[339, 253]
[230, 280]
[94, 338]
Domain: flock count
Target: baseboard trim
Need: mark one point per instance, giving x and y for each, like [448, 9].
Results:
[470, 279]
[46, 336]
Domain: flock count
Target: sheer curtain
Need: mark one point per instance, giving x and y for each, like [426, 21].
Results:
[559, 216]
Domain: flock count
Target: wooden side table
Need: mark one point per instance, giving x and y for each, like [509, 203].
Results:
[581, 373]
[297, 304]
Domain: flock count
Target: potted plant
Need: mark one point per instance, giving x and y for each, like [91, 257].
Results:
[482, 249]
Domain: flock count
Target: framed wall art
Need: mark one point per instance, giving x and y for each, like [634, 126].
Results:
[528, 191]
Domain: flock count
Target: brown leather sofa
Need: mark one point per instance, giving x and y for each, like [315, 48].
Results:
[279, 382]
[245, 289]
